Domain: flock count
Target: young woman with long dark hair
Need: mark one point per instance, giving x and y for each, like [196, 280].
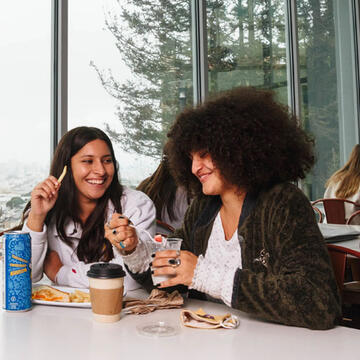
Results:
[66, 221]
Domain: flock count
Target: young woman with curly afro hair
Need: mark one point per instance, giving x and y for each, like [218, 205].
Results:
[250, 238]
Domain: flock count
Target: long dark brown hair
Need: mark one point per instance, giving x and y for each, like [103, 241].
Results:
[92, 245]
[161, 188]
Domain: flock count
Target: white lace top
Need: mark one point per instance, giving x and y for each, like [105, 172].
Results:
[214, 272]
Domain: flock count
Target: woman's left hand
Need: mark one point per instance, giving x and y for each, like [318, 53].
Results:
[121, 234]
[165, 263]
[52, 265]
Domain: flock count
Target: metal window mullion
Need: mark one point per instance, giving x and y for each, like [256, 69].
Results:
[199, 50]
[293, 53]
[356, 22]
[59, 66]
[293, 69]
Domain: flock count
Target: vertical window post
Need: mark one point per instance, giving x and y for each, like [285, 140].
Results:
[293, 58]
[59, 65]
[199, 50]
[347, 79]
[292, 54]
[356, 21]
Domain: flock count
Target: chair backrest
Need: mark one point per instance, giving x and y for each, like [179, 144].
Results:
[318, 214]
[354, 216]
[163, 228]
[341, 258]
[335, 209]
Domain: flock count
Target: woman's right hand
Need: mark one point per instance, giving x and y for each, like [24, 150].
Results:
[43, 199]
[121, 234]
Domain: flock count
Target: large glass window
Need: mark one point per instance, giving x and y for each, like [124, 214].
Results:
[25, 103]
[130, 73]
[246, 45]
[328, 85]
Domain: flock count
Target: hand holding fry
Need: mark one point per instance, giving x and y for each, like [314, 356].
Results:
[43, 199]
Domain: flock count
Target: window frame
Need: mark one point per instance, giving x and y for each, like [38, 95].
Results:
[59, 62]
[59, 72]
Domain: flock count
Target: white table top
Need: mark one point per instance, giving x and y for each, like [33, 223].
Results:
[350, 244]
[52, 333]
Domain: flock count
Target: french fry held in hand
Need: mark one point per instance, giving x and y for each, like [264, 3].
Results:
[61, 177]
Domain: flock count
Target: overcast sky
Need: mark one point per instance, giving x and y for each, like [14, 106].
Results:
[25, 78]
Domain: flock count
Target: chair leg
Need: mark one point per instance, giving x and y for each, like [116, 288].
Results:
[354, 264]
[338, 260]
[351, 316]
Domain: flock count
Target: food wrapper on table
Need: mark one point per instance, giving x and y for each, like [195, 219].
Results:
[158, 299]
[201, 320]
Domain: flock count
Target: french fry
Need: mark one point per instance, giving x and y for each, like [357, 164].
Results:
[61, 177]
[79, 297]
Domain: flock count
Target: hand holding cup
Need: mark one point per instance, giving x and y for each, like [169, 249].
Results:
[175, 268]
[170, 266]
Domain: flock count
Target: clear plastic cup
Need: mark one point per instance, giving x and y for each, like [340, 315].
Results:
[166, 244]
[158, 328]
[163, 327]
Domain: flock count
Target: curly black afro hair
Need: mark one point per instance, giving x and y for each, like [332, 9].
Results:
[254, 141]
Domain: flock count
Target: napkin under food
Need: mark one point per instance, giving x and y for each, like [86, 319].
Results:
[201, 320]
[158, 299]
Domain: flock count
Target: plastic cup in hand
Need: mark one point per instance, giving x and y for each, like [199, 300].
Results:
[163, 327]
[165, 244]
[106, 291]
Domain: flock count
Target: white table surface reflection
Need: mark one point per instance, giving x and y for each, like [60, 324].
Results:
[52, 332]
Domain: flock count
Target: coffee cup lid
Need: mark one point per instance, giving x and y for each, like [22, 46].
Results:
[106, 271]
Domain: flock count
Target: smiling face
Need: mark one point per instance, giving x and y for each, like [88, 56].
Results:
[207, 173]
[93, 170]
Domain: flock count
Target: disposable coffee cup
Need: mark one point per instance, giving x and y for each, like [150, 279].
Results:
[168, 244]
[106, 291]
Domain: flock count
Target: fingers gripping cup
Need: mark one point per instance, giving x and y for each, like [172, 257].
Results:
[106, 291]
[167, 244]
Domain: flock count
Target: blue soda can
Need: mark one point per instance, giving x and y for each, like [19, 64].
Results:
[17, 271]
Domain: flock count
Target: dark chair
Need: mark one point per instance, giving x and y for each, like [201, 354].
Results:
[335, 210]
[319, 215]
[342, 259]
